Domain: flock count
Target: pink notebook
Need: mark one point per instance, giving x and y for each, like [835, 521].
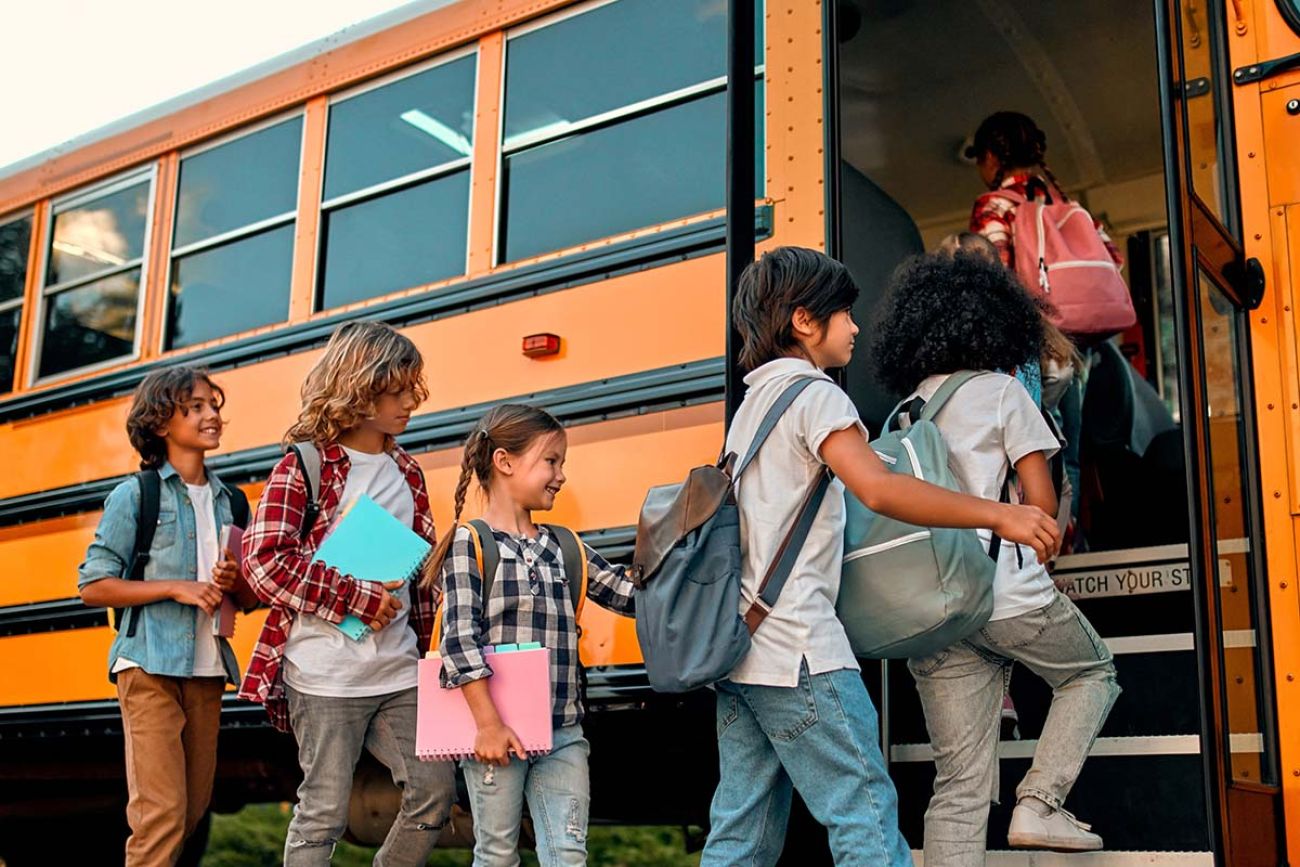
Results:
[223, 619]
[520, 687]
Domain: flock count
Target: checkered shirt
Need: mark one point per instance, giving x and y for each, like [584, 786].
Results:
[278, 565]
[530, 602]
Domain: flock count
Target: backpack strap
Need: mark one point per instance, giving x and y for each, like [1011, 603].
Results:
[769, 590]
[146, 524]
[239, 511]
[766, 426]
[945, 392]
[574, 551]
[309, 462]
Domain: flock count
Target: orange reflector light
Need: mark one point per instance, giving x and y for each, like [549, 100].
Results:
[538, 345]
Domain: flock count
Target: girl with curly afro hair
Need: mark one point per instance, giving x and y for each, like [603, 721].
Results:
[962, 312]
[946, 313]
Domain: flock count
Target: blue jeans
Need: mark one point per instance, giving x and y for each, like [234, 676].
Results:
[331, 733]
[820, 737]
[558, 792]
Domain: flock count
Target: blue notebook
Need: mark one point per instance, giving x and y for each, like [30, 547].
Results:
[370, 544]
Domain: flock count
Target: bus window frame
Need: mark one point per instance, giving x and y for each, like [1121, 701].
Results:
[411, 179]
[113, 184]
[230, 236]
[681, 96]
[1290, 13]
[28, 214]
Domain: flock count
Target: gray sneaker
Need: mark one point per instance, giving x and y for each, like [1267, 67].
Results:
[1058, 830]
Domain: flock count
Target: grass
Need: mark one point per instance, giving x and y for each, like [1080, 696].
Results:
[254, 837]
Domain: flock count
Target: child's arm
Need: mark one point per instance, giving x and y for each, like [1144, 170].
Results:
[608, 585]
[279, 574]
[1036, 481]
[102, 578]
[463, 663]
[907, 499]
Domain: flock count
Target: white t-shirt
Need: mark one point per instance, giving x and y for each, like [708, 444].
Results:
[207, 652]
[802, 625]
[988, 426]
[321, 660]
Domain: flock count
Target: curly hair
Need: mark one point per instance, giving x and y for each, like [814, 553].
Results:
[945, 313]
[362, 361]
[159, 396]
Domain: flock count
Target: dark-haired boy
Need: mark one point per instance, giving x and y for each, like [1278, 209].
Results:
[169, 667]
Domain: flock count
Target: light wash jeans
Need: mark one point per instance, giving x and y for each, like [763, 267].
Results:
[558, 791]
[331, 733]
[961, 691]
[820, 737]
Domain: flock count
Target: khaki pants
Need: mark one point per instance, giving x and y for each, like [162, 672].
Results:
[171, 726]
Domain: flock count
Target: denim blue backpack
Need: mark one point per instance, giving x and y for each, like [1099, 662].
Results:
[905, 590]
[687, 568]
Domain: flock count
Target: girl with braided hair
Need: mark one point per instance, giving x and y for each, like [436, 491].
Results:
[516, 455]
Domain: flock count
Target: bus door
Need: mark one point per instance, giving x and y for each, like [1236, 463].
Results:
[1217, 286]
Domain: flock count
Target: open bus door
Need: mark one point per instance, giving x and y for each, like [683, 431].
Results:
[1217, 286]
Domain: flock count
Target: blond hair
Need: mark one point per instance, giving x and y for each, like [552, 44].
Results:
[362, 361]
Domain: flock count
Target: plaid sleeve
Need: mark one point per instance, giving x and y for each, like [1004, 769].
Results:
[608, 585]
[462, 617]
[278, 570]
[991, 217]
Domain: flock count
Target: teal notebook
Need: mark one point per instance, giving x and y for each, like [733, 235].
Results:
[371, 545]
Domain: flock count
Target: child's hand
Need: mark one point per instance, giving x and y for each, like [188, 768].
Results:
[198, 594]
[225, 574]
[388, 607]
[1029, 525]
[494, 744]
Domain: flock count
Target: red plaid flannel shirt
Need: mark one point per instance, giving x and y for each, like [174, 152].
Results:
[279, 567]
[994, 215]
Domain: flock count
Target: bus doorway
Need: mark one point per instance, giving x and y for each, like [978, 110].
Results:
[910, 81]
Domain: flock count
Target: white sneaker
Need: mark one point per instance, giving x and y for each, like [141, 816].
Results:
[1058, 830]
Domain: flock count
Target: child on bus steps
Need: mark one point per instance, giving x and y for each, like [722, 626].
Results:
[339, 695]
[992, 428]
[794, 714]
[516, 454]
[169, 668]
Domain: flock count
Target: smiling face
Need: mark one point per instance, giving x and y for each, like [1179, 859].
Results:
[196, 424]
[392, 411]
[534, 478]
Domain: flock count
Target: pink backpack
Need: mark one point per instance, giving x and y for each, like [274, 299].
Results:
[1061, 258]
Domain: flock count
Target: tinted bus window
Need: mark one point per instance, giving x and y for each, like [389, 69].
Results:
[232, 253]
[15, 238]
[615, 119]
[92, 282]
[396, 202]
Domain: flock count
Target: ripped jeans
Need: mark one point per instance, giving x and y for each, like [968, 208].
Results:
[331, 733]
[558, 792]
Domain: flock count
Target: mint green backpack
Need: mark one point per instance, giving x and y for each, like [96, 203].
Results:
[909, 591]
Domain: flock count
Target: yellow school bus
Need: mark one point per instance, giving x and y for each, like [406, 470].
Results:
[490, 171]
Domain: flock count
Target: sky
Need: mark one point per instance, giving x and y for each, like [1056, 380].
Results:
[72, 66]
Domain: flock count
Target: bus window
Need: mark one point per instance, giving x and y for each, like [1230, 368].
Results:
[396, 195]
[15, 238]
[233, 246]
[615, 119]
[92, 279]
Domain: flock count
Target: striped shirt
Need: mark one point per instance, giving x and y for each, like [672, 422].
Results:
[529, 603]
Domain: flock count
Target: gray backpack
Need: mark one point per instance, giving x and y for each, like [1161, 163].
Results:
[910, 591]
[687, 568]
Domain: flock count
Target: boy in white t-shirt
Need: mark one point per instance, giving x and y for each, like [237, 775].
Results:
[794, 714]
[947, 313]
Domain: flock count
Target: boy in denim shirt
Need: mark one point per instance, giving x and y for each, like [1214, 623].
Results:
[171, 669]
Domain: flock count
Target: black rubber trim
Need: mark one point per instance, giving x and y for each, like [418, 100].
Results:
[648, 391]
[614, 544]
[630, 256]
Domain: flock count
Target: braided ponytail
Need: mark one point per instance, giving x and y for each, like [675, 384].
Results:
[512, 427]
